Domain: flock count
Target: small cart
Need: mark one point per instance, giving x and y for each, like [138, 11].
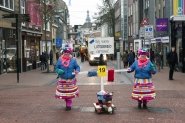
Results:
[104, 104]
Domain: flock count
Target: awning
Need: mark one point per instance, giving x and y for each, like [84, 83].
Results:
[160, 39]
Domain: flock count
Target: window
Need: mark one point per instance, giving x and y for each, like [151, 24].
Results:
[23, 9]
[164, 12]
[11, 4]
[129, 30]
[47, 26]
[8, 4]
[147, 4]
[1, 2]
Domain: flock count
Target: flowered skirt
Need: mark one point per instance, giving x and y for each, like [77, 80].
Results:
[66, 89]
[143, 89]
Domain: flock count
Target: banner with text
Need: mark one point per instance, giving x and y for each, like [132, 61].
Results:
[101, 45]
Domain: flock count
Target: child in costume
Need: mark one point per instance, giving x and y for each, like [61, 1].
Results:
[143, 89]
[67, 68]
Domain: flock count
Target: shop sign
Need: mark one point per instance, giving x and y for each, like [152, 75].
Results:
[58, 42]
[162, 24]
[101, 45]
[149, 32]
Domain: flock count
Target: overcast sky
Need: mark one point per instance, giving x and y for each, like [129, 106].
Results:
[78, 10]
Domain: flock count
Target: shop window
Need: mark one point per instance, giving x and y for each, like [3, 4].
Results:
[9, 55]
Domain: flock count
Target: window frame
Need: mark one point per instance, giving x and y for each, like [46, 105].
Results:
[9, 6]
[23, 9]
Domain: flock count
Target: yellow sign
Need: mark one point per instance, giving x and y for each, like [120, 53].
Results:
[102, 71]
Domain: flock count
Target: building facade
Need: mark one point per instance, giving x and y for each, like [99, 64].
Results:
[7, 36]
[30, 34]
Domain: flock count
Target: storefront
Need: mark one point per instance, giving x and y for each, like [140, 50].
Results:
[7, 50]
[31, 48]
[161, 44]
[178, 39]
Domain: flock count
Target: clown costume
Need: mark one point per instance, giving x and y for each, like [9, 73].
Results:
[67, 68]
[143, 89]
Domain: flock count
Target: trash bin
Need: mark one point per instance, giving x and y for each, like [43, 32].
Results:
[111, 75]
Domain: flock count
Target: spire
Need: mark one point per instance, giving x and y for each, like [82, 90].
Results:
[88, 18]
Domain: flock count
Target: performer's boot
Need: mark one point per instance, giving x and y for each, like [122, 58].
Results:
[68, 104]
[139, 104]
[145, 104]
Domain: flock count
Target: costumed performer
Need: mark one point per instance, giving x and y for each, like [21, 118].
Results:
[143, 89]
[67, 68]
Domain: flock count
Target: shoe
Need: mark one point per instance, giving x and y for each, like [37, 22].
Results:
[139, 104]
[145, 105]
[171, 79]
[68, 108]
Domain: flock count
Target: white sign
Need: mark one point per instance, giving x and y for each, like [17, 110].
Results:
[149, 32]
[142, 32]
[101, 45]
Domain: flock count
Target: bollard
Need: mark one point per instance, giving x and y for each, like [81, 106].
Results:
[110, 75]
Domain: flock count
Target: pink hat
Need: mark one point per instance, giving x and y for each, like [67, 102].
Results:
[143, 52]
[67, 49]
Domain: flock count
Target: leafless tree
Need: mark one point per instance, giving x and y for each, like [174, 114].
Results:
[107, 15]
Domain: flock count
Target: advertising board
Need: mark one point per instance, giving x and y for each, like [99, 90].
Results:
[101, 45]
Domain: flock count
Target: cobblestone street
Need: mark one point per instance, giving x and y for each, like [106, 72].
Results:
[32, 100]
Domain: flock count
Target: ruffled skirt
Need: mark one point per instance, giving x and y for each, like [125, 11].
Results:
[143, 89]
[66, 89]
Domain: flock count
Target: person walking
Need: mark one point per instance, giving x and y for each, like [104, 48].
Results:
[101, 61]
[82, 53]
[45, 56]
[162, 61]
[125, 59]
[51, 57]
[158, 60]
[131, 58]
[42, 64]
[143, 90]
[67, 68]
[152, 56]
[172, 61]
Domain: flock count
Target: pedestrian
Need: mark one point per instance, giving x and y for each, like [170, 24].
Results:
[45, 60]
[101, 61]
[82, 53]
[162, 61]
[143, 90]
[158, 60]
[67, 68]
[172, 61]
[131, 58]
[51, 57]
[42, 64]
[152, 56]
[57, 55]
[125, 59]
